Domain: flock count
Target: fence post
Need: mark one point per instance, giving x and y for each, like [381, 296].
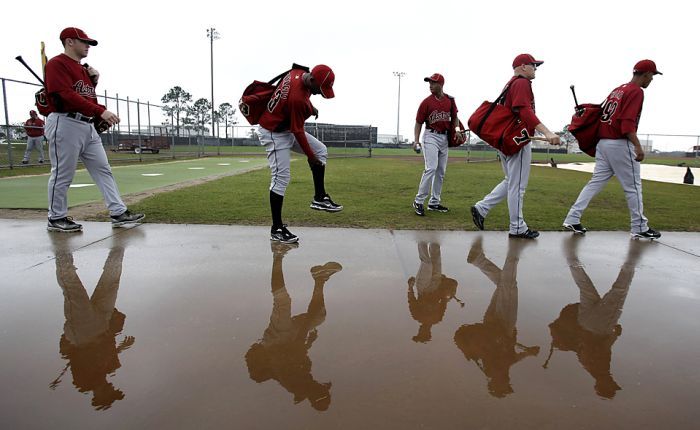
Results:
[138, 128]
[370, 141]
[172, 146]
[7, 125]
[111, 130]
[119, 128]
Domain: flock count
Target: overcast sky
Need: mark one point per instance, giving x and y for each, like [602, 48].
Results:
[145, 48]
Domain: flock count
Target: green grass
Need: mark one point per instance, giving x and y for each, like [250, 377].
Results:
[377, 193]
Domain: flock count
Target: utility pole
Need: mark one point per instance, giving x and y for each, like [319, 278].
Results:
[212, 34]
[398, 106]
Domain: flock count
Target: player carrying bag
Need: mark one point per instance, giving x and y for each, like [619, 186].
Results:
[257, 95]
[496, 125]
[584, 126]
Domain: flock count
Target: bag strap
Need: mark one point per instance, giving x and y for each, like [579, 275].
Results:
[493, 105]
[281, 75]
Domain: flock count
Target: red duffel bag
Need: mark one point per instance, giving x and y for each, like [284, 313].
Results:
[584, 126]
[256, 96]
[496, 125]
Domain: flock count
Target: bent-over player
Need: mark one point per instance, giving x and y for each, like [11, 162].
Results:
[439, 113]
[520, 100]
[281, 130]
[71, 133]
[619, 152]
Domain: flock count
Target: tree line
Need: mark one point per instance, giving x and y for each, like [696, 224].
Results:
[194, 116]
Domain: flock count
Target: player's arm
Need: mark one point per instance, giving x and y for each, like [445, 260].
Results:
[455, 122]
[639, 152]
[58, 83]
[296, 126]
[629, 113]
[416, 135]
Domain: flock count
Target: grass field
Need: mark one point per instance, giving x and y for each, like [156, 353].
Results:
[377, 193]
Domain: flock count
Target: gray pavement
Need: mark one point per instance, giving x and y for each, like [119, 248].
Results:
[197, 326]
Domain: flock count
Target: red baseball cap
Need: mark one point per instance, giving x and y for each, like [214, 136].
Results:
[325, 77]
[646, 66]
[32, 112]
[435, 77]
[523, 59]
[76, 33]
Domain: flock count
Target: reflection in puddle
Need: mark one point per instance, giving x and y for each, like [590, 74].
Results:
[492, 344]
[590, 328]
[93, 323]
[429, 291]
[283, 352]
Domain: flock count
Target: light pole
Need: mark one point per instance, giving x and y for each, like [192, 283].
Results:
[398, 105]
[212, 34]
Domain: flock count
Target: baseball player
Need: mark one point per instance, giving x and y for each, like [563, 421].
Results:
[283, 352]
[439, 112]
[72, 136]
[34, 127]
[619, 152]
[281, 130]
[521, 101]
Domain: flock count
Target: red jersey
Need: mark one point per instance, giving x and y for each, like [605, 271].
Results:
[521, 101]
[289, 108]
[436, 113]
[621, 112]
[34, 127]
[70, 88]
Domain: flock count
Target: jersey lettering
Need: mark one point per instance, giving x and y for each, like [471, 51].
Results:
[281, 92]
[523, 138]
[608, 110]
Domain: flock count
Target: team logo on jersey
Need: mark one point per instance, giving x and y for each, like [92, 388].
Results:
[523, 138]
[243, 108]
[84, 89]
[437, 116]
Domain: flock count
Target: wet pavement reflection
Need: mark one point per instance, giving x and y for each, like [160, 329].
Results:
[212, 327]
[283, 352]
[590, 327]
[492, 344]
[93, 323]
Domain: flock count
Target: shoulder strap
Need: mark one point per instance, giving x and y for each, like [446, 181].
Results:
[493, 105]
[281, 75]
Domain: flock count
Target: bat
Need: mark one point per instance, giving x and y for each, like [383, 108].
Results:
[24, 63]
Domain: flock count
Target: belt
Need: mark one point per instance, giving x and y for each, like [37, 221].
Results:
[436, 132]
[80, 117]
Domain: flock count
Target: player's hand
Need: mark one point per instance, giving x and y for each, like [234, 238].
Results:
[640, 154]
[313, 161]
[553, 139]
[416, 147]
[460, 137]
[110, 117]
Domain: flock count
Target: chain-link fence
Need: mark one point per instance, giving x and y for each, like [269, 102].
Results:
[147, 132]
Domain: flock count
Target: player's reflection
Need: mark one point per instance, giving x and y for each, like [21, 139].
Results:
[92, 324]
[492, 344]
[283, 352]
[429, 291]
[590, 327]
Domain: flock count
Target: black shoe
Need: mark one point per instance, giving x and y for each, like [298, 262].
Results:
[649, 234]
[126, 218]
[477, 218]
[281, 234]
[418, 207]
[576, 228]
[325, 204]
[527, 234]
[41, 161]
[25, 162]
[438, 207]
[64, 225]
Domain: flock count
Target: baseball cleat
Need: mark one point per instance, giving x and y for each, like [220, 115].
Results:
[438, 207]
[64, 225]
[527, 234]
[126, 218]
[649, 234]
[419, 209]
[477, 218]
[325, 204]
[576, 228]
[281, 234]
